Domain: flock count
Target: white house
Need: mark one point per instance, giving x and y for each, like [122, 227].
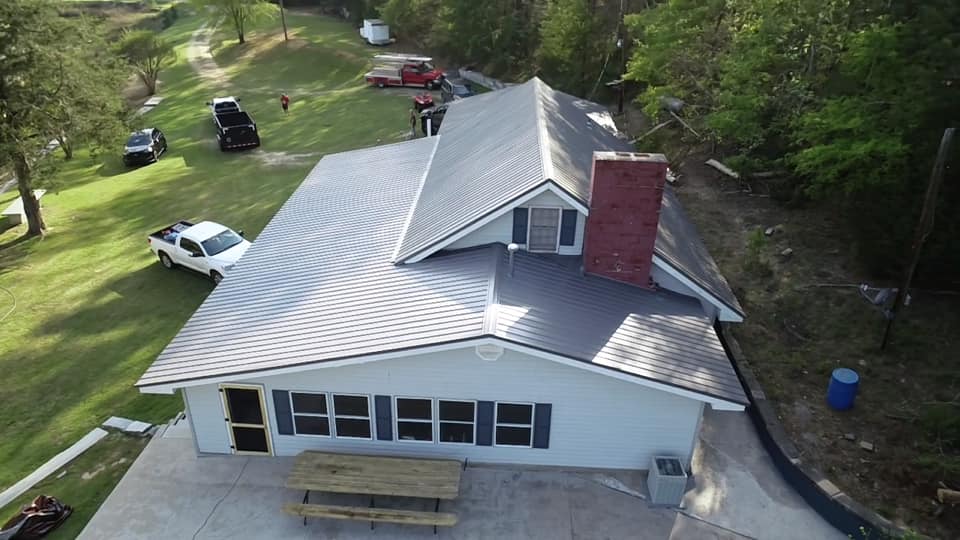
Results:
[381, 312]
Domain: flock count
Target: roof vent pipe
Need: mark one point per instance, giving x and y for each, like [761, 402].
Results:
[511, 248]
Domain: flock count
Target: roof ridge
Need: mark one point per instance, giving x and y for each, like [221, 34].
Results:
[491, 310]
[543, 140]
[413, 204]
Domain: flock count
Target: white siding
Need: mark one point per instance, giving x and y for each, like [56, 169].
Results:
[501, 228]
[597, 421]
[498, 230]
[670, 283]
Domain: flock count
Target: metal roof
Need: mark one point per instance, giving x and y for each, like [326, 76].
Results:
[318, 285]
[660, 336]
[498, 146]
[679, 244]
[489, 154]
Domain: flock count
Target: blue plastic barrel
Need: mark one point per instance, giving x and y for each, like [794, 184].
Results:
[843, 388]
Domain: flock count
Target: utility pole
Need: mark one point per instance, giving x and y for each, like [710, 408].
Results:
[924, 227]
[622, 44]
[283, 21]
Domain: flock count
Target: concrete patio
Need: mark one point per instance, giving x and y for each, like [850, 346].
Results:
[735, 493]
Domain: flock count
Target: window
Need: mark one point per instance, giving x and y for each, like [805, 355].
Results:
[351, 415]
[415, 419]
[514, 424]
[310, 415]
[544, 230]
[190, 246]
[457, 421]
[221, 242]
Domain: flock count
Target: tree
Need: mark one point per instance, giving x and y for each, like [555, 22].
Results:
[406, 19]
[240, 13]
[848, 97]
[147, 54]
[576, 39]
[51, 67]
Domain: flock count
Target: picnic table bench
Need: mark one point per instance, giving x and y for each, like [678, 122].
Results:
[14, 212]
[374, 475]
[408, 517]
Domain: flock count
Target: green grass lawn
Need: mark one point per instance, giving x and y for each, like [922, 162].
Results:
[93, 307]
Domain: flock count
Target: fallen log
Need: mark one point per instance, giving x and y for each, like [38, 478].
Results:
[948, 496]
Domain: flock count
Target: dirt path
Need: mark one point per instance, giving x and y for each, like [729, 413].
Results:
[198, 54]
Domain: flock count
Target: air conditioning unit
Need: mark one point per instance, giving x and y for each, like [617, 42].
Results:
[667, 481]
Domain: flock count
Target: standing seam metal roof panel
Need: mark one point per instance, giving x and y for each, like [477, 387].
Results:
[488, 154]
[318, 282]
[659, 335]
[498, 146]
[318, 285]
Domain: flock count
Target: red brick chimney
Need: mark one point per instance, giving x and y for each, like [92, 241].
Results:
[625, 193]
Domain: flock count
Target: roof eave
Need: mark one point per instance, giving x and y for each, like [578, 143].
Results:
[715, 401]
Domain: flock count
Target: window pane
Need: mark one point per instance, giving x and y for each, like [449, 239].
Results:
[414, 408]
[250, 439]
[189, 246]
[312, 425]
[415, 431]
[310, 403]
[544, 225]
[244, 406]
[456, 410]
[353, 428]
[513, 436]
[350, 405]
[461, 433]
[514, 414]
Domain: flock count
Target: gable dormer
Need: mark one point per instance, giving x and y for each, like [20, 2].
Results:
[515, 166]
[544, 222]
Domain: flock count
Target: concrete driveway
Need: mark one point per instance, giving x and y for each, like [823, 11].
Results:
[735, 494]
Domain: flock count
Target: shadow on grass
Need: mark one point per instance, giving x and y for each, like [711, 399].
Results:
[112, 166]
[16, 241]
[5, 225]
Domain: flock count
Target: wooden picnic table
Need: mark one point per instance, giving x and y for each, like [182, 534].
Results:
[374, 475]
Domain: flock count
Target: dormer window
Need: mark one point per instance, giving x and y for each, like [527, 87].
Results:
[543, 234]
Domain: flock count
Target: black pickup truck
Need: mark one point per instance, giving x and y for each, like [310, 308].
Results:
[235, 128]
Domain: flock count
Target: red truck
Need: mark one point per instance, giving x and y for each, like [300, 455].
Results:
[404, 70]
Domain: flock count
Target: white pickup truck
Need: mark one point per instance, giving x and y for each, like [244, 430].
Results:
[207, 247]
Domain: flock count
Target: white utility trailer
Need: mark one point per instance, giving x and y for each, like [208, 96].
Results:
[375, 32]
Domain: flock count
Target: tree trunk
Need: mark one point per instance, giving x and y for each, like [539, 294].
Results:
[31, 206]
[150, 82]
[283, 21]
[65, 146]
[239, 20]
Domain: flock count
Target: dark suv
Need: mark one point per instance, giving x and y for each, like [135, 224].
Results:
[435, 114]
[144, 146]
[454, 89]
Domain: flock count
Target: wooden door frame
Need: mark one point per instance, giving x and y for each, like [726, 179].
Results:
[229, 421]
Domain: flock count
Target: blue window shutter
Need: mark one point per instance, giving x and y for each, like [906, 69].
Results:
[568, 227]
[541, 425]
[384, 418]
[520, 225]
[281, 406]
[484, 423]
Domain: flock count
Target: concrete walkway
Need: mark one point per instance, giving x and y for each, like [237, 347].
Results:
[735, 495]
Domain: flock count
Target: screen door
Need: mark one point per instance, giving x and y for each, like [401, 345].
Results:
[246, 418]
